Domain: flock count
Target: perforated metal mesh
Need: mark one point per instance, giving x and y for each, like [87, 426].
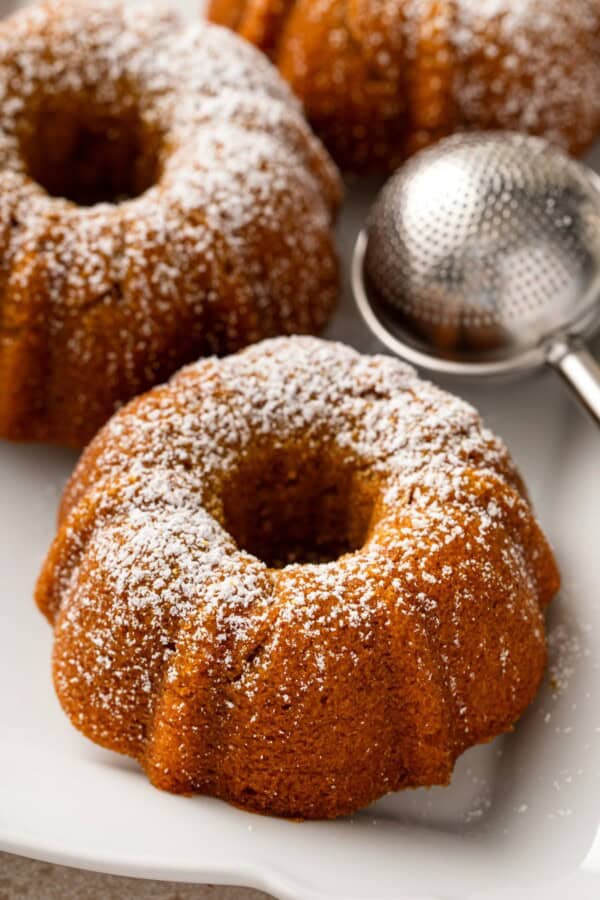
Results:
[486, 242]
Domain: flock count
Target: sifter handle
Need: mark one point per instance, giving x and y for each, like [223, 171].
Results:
[574, 362]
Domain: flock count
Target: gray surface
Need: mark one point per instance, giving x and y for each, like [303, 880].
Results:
[26, 879]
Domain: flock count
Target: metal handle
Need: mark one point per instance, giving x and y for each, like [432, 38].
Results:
[574, 362]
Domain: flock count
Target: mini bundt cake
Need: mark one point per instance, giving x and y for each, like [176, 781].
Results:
[161, 197]
[383, 78]
[296, 578]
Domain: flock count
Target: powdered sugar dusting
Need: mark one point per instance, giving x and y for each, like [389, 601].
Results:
[230, 244]
[144, 578]
[382, 78]
[530, 66]
[564, 650]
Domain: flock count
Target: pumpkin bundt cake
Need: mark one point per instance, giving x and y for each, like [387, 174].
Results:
[161, 197]
[383, 78]
[296, 578]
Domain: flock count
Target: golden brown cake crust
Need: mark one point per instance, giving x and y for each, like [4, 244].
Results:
[226, 235]
[188, 637]
[382, 78]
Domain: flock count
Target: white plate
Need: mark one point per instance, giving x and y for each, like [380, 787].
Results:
[519, 822]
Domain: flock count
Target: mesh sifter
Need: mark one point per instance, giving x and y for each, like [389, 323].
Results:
[481, 256]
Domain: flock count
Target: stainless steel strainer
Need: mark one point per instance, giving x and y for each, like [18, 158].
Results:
[481, 256]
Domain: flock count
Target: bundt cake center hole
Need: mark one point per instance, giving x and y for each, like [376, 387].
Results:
[285, 507]
[88, 154]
